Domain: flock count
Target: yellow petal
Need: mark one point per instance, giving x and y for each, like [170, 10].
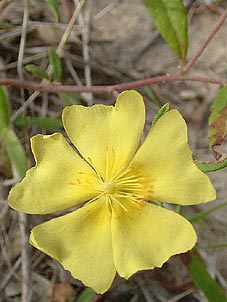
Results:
[81, 242]
[145, 237]
[165, 157]
[52, 185]
[105, 135]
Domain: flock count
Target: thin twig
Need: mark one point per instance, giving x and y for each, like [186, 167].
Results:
[73, 72]
[26, 294]
[105, 10]
[60, 49]
[109, 88]
[22, 47]
[23, 40]
[25, 259]
[181, 295]
[84, 22]
[148, 296]
[217, 26]
[10, 274]
[69, 27]
[32, 97]
[75, 77]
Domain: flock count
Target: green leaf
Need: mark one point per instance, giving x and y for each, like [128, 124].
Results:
[171, 20]
[211, 246]
[211, 167]
[218, 122]
[69, 98]
[37, 71]
[4, 109]
[199, 216]
[55, 61]
[152, 96]
[15, 151]
[86, 295]
[53, 4]
[6, 25]
[203, 280]
[43, 122]
[161, 112]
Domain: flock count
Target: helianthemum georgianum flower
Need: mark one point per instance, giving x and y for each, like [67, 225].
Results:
[119, 227]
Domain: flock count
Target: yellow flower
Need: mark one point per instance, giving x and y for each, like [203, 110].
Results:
[120, 228]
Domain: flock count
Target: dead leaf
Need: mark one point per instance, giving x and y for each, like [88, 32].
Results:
[218, 122]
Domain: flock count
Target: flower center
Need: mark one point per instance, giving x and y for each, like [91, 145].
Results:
[108, 188]
[121, 187]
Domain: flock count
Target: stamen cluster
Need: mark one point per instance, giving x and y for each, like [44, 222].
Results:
[125, 185]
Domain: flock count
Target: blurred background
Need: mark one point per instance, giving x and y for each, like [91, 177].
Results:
[111, 42]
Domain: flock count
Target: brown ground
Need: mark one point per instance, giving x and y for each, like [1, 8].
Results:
[123, 46]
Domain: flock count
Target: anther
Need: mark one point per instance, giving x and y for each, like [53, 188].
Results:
[72, 183]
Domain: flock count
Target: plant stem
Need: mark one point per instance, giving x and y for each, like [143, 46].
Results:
[109, 88]
[217, 26]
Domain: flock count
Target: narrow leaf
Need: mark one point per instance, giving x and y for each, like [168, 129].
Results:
[53, 4]
[152, 96]
[202, 278]
[211, 167]
[6, 25]
[15, 151]
[4, 109]
[199, 216]
[56, 63]
[44, 122]
[170, 19]
[69, 98]
[37, 71]
[86, 295]
[211, 246]
[161, 112]
[218, 122]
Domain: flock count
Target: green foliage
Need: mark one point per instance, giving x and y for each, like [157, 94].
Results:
[171, 20]
[69, 98]
[211, 167]
[43, 122]
[204, 281]
[217, 121]
[152, 96]
[211, 246]
[9, 139]
[86, 295]
[53, 4]
[37, 71]
[4, 109]
[55, 61]
[15, 151]
[203, 214]
[161, 112]
[6, 25]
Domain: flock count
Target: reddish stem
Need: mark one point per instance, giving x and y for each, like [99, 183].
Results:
[207, 41]
[109, 88]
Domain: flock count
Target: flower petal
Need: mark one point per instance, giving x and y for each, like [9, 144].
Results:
[52, 184]
[165, 157]
[105, 135]
[145, 237]
[81, 241]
